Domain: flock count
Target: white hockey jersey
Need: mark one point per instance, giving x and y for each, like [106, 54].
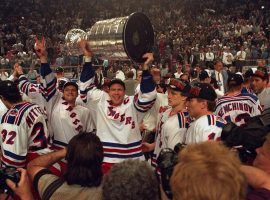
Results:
[23, 132]
[238, 108]
[118, 126]
[170, 130]
[207, 127]
[65, 121]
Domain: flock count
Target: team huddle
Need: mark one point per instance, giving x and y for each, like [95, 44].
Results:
[193, 113]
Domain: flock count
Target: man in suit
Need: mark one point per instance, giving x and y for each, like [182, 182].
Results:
[221, 76]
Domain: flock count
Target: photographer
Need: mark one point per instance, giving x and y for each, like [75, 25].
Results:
[84, 155]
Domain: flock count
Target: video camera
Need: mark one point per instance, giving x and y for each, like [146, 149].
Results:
[8, 173]
[166, 161]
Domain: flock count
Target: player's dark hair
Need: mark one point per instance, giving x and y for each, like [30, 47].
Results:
[211, 105]
[124, 181]
[84, 160]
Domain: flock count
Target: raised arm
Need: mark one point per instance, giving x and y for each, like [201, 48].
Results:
[88, 91]
[146, 97]
[46, 72]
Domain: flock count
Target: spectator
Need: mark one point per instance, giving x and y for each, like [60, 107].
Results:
[130, 84]
[84, 155]
[259, 85]
[208, 170]
[125, 179]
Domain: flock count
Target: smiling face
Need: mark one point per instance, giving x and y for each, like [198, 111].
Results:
[70, 94]
[117, 94]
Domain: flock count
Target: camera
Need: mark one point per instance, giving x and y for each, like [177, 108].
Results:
[166, 161]
[8, 173]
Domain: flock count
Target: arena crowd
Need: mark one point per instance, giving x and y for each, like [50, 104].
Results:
[190, 122]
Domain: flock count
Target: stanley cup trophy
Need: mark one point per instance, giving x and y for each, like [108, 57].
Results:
[118, 38]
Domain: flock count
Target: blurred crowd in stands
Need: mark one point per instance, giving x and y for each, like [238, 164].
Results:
[187, 32]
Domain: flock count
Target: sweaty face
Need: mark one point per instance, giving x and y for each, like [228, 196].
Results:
[175, 98]
[262, 160]
[117, 94]
[258, 84]
[70, 94]
[194, 107]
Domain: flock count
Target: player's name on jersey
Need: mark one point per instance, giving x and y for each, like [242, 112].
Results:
[235, 106]
[33, 114]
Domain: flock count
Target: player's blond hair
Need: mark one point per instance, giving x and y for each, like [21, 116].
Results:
[208, 171]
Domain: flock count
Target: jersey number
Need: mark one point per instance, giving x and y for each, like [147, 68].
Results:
[8, 137]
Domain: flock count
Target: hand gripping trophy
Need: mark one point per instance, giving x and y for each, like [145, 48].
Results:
[118, 38]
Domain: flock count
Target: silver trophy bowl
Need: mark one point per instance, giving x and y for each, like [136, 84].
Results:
[119, 38]
[72, 39]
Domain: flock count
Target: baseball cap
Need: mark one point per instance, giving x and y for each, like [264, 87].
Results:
[203, 75]
[71, 83]
[117, 81]
[9, 90]
[235, 79]
[203, 91]
[59, 70]
[180, 86]
[262, 73]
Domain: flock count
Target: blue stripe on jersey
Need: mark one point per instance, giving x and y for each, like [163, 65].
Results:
[20, 110]
[147, 83]
[209, 120]
[123, 156]
[140, 110]
[87, 72]
[181, 120]
[14, 156]
[48, 98]
[255, 98]
[59, 143]
[145, 103]
[134, 144]
[45, 69]
[219, 124]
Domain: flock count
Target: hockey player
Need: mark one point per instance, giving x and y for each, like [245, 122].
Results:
[201, 106]
[66, 119]
[172, 119]
[237, 106]
[23, 128]
[117, 116]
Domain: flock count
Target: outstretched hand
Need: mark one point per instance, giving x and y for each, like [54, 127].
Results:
[17, 69]
[40, 47]
[85, 48]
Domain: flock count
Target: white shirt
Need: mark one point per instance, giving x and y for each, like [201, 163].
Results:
[209, 56]
[241, 55]
[264, 98]
[219, 78]
[120, 75]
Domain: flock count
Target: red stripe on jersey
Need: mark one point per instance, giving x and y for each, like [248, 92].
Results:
[20, 112]
[13, 163]
[113, 150]
[213, 120]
